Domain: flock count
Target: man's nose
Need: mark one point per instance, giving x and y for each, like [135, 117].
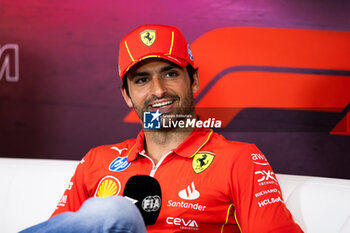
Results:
[159, 87]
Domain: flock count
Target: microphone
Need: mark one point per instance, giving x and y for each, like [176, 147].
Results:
[144, 191]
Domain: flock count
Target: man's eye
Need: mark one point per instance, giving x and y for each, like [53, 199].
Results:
[141, 80]
[172, 74]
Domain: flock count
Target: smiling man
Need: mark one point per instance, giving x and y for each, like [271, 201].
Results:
[209, 184]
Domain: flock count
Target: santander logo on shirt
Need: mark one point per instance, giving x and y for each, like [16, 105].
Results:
[189, 193]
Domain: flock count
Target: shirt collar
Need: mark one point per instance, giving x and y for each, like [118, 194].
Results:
[137, 147]
[188, 148]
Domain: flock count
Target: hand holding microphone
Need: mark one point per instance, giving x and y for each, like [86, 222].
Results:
[144, 191]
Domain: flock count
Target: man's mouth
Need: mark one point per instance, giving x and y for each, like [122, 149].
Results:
[162, 104]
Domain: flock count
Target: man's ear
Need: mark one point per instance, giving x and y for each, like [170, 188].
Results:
[126, 97]
[195, 84]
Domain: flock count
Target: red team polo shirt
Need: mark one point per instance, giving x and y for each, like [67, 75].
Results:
[209, 184]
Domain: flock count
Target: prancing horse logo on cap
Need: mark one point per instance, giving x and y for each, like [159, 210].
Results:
[148, 37]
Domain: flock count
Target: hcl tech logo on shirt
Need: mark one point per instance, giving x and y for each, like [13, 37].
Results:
[151, 120]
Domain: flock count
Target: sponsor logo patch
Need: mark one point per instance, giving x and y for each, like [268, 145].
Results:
[189, 52]
[186, 205]
[201, 161]
[259, 159]
[184, 224]
[70, 185]
[269, 201]
[62, 201]
[108, 186]
[268, 191]
[189, 193]
[119, 150]
[265, 177]
[119, 164]
[148, 37]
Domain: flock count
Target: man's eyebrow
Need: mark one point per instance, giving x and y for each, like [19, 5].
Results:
[163, 69]
[138, 74]
[169, 67]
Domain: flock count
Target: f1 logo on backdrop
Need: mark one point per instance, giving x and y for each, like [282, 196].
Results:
[273, 68]
[9, 62]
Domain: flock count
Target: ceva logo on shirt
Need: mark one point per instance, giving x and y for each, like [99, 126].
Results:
[119, 164]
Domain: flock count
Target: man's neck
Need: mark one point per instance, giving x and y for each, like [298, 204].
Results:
[160, 142]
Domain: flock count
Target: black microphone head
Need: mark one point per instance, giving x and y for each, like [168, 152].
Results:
[145, 190]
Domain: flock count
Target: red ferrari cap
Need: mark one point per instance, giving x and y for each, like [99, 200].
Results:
[150, 41]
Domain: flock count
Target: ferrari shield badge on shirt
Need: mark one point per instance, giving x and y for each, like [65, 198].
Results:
[201, 161]
[148, 37]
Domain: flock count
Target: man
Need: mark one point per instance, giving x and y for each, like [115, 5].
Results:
[209, 184]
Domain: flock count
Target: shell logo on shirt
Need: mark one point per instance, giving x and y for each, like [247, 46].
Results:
[201, 161]
[108, 186]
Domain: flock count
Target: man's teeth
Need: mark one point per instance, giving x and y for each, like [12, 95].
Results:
[159, 105]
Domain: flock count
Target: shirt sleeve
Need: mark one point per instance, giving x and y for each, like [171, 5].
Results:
[259, 206]
[76, 192]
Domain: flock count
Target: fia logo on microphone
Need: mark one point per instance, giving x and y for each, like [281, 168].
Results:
[151, 203]
[151, 120]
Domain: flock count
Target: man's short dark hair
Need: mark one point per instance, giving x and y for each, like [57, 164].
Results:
[190, 70]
